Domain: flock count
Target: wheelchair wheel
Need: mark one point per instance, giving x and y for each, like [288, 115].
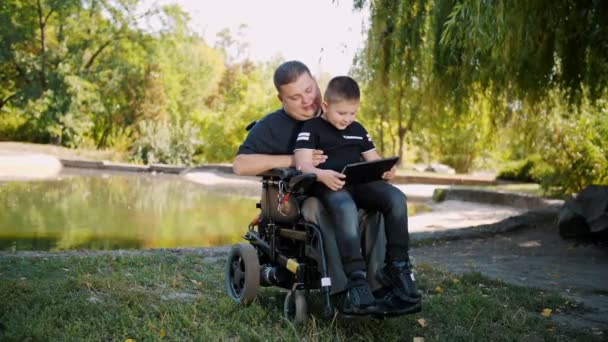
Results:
[295, 306]
[242, 273]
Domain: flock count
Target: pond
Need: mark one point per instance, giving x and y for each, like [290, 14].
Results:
[130, 211]
[119, 211]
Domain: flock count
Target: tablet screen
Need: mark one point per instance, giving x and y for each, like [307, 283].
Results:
[368, 171]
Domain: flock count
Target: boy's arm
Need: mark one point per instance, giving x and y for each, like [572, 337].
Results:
[304, 161]
[374, 155]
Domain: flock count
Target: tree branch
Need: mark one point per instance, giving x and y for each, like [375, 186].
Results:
[6, 100]
[99, 50]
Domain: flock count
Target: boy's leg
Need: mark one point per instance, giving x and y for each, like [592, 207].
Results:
[392, 203]
[372, 230]
[343, 212]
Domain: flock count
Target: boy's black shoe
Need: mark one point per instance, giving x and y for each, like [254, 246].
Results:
[359, 299]
[389, 305]
[398, 276]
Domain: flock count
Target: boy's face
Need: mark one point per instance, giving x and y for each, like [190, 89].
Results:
[301, 98]
[340, 113]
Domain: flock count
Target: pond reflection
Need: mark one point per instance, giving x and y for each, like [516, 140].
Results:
[118, 211]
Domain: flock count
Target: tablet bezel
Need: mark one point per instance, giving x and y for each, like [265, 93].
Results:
[368, 171]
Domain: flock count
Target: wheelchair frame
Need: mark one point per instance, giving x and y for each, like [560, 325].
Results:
[282, 239]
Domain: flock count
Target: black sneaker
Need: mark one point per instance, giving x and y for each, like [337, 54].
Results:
[389, 305]
[359, 299]
[398, 276]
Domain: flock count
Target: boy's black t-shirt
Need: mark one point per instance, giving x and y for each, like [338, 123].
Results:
[274, 134]
[342, 147]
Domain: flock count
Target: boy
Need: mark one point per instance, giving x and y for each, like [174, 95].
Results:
[346, 141]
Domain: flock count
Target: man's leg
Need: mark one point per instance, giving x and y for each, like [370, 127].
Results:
[374, 244]
[314, 212]
[372, 230]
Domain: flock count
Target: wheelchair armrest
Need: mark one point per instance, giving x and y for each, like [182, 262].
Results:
[301, 183]
[280, 173]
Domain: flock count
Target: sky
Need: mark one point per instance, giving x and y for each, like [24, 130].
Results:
[324, 34]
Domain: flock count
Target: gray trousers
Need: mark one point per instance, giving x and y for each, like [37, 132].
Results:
[373, 245]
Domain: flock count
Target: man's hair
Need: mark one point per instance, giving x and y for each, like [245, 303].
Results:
[289, 72]
[342, 88]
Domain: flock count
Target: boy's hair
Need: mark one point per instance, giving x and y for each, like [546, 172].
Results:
[289, 72]
[342, 88]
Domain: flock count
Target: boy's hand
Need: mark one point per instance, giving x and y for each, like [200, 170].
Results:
[390, 174]
[318, 157]
[332, 179]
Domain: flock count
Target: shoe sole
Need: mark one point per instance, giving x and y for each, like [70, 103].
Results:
[407, 311]
[386, 281]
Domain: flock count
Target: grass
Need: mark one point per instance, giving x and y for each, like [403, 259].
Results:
[180, 296]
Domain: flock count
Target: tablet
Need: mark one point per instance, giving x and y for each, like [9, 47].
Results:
[368, 171]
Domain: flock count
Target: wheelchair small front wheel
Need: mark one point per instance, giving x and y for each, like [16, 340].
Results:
[295, 306]
[242, 273]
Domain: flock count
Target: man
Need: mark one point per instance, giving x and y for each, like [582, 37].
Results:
[270, 144]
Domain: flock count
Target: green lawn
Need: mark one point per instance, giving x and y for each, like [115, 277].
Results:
[180, 296]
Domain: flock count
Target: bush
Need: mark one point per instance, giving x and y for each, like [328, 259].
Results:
[165, 143]
[522, 170]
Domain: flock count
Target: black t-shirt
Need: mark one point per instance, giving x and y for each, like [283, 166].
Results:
[342, 147]
[274, 134]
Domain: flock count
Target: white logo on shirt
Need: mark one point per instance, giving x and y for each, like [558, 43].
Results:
[352, 137]
[369, 138]
[303, 136]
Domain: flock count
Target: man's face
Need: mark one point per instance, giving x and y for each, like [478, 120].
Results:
[301, 98]
[340, 113]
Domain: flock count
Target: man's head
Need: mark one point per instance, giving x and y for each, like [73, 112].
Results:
[341, 101]
[298, 91]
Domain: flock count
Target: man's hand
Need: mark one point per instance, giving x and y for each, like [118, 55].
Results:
[390, 174]
[318, 157]
[332, 179]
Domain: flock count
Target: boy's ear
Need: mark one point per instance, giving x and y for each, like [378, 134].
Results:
[324, 106]
[279, 97]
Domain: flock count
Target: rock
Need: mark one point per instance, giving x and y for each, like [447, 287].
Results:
[585, 213]
[440, 168]
[20, 166]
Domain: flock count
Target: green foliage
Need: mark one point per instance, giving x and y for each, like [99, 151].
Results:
[159, 142]
[518, 171]
[505, 80]
[576, 150]
[85, 74]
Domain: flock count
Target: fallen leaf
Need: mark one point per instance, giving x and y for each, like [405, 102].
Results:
[546, 312]
[422, 322]
[129, 340]
[162, 333]
[455, 280]
[439, 289]
[418, 339]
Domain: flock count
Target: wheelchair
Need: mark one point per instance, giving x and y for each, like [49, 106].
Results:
[283, 249]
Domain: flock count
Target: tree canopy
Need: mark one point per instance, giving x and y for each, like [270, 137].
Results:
[465, 81]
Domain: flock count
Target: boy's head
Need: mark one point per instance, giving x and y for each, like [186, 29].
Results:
[297, 90]
[341, 101]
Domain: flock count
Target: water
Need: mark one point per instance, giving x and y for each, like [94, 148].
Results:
[121, 211]
[132, 211]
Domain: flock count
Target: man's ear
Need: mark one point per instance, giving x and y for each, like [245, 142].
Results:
[279, 97]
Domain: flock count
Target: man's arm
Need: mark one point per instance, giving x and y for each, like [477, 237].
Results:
[253, 164]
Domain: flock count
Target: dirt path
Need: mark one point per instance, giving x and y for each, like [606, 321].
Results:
[536, 257]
